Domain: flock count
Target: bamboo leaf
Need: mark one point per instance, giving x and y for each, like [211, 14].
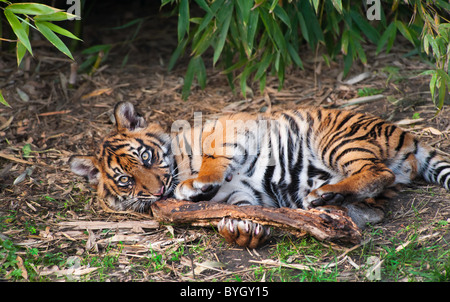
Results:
[2, 100]
[32, 9]
[426, 43]
[433, 84]
[197, 68]
[53, 38]
[315, 3]
[369, 31]
[59, 30]
[201, 72]
[388, 35]
[273, 5]
[303, 27]
[263, 65]
[442, 90]
[58, 16]
[20, 48]
[405, 31]
[244, 8]
[200, 44]
[18, 29]
[188, 79]
[345, 41]
[281, 13]
[177, 53]
[294, 55]
[222, 35]
[435, 47]
[183, 19]
[251, 30]
[348, 61]
[204, 5]
[262, 83]
[338, 5]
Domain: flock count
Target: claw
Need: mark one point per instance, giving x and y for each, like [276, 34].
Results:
[318, 202]
[328, 196]
[243, 232]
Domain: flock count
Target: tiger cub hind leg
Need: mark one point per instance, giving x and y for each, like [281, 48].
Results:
[244, 233]
[369, 210]
[368, 182]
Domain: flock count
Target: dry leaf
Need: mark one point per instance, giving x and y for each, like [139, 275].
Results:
[23, 96]
[97, 92]
[432, 130]
[358, 78]
[22, 267]
[91, 242]
[206, 265]
[407, 121]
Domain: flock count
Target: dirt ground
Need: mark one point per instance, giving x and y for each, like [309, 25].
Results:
[49, 121]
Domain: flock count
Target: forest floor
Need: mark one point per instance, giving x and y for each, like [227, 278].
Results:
[48, 122]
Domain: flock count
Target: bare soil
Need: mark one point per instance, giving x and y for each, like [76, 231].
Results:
[49, 121]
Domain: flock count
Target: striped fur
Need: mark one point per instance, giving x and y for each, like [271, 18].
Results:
[306, 158]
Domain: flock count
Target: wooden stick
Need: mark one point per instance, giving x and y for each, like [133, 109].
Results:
[98, 225]
[333, 226]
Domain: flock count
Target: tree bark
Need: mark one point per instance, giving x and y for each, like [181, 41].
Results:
[330, 225]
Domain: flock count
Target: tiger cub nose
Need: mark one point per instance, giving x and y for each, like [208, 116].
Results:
[160, 192]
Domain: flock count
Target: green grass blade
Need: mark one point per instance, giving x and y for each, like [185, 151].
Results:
[53, 38]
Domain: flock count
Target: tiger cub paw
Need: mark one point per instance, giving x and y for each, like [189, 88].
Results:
[196, 190]
[318, 198]
[244, 233]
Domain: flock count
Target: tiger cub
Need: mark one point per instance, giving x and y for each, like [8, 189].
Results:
[304, 158]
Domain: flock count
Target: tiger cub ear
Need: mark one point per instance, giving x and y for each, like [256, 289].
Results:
[85, 166]
[127, 118]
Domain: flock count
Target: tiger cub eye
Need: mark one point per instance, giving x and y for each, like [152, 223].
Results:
[146, 157]
[124, 179]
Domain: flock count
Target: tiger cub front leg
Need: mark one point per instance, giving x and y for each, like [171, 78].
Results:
[220, 148]
[367, 182]
[210, 178]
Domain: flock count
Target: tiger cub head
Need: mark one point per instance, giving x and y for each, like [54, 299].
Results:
[133, 166]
